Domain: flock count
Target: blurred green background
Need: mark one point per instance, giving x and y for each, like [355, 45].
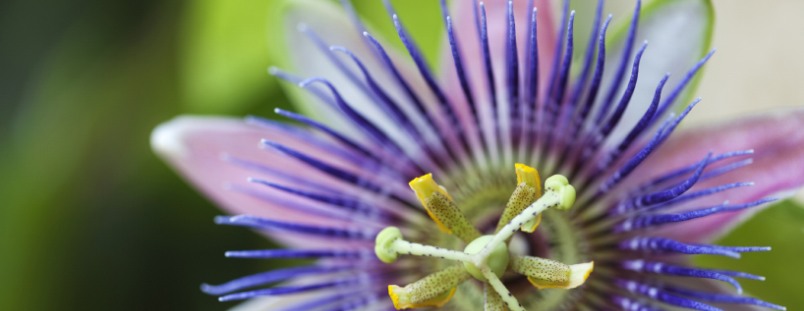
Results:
[90, 219]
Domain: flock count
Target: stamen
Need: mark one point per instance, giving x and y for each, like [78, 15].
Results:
[528, 189]
[434, 290]
[546, 273]
[442, 209]
[486, 258]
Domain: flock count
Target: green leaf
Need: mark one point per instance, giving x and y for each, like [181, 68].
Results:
[225, 55]
[781, 227]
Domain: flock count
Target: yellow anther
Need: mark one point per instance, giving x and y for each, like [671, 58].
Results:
[425, 186]
[442, 209]
[437, 301]
[528, 189]
[434, 290]
[580, 273]
[545, 273]
[529, 176]
[426, 189]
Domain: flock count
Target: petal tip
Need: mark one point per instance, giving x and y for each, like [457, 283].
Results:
[171, 140]
[167, 138]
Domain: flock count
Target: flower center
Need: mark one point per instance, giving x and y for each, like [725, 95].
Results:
[497, 261]
[486, 257]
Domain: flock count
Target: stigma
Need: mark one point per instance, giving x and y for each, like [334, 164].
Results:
[486, 257]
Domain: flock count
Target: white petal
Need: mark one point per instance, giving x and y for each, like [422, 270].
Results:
[307, 59]
[678, 35]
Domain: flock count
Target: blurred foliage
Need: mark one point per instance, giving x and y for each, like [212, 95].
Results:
[224, 55]
[782, 228]
[90, 219]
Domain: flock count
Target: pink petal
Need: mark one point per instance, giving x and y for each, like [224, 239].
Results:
[197, 147]
[777, 171]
